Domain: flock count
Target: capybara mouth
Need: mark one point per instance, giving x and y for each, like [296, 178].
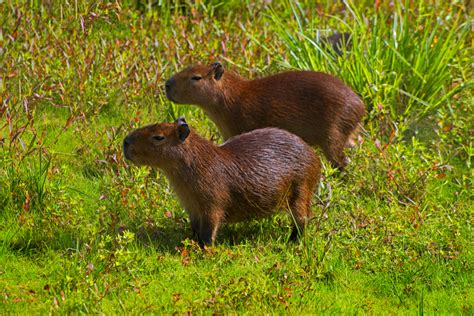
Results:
[126, 154]
[129, 157]
[132, 157]
[168, 95]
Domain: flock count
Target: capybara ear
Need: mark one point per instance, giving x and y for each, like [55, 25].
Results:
[183, 129]
[218, 70]
[181, 120]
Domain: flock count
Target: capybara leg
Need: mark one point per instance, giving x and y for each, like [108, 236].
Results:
[300, 210]
[208, 230]
[195, 226]
[295, 233]
[298, 228]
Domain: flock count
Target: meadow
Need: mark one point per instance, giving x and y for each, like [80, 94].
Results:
[83, 231]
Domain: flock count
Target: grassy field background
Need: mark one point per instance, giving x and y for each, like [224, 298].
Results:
[82, 231]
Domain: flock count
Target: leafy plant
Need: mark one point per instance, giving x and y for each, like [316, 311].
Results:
[82, 231]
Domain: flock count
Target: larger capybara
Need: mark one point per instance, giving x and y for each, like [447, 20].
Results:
[318, 107]
[249, 176]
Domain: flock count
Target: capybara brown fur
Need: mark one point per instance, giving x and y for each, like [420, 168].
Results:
[318, 107]
[249, 176]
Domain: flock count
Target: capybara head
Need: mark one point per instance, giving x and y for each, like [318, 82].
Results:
[154, 145]
[195, 85]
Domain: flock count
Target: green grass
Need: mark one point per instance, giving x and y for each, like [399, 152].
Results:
[81, 231]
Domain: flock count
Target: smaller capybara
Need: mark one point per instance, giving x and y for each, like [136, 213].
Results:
[318, 107]
[249, 176]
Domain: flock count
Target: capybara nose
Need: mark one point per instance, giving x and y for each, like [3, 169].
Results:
[169, 84]
[126, 143]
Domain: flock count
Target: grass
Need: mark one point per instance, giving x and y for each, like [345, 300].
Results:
[81, 231]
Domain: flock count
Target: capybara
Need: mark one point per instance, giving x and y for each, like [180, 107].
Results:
[249, 176]
[318, 107]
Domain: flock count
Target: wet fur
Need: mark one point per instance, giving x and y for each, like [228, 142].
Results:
[250, 176]
[318, 107]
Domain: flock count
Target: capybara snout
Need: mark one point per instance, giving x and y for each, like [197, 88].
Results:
[194, 84]
[126, 143]
[249, 176]
[168, 88]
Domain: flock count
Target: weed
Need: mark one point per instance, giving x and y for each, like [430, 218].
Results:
[83, 232]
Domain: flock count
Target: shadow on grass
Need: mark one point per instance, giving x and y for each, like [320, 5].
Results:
[168, 237]
[31, 245]
[164, 237]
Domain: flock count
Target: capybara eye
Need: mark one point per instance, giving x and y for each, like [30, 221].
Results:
[158, 138]
[196, 77]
